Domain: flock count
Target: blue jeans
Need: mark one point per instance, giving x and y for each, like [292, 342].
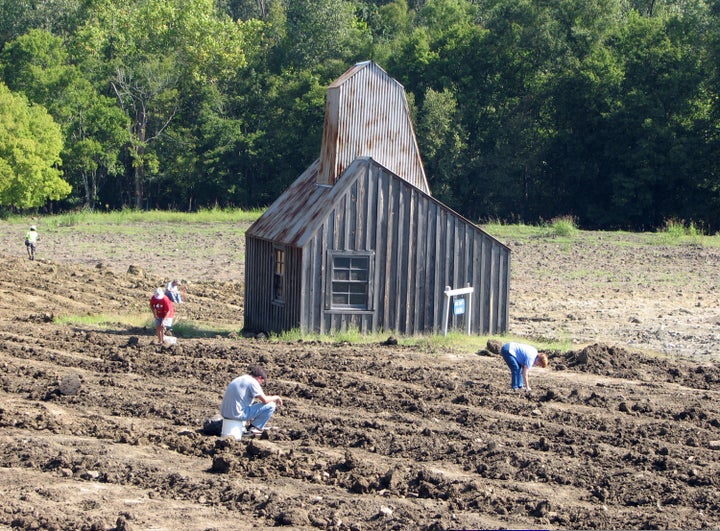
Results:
[258, 413]
[516, 378]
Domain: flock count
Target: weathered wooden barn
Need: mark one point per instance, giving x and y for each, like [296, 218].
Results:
[358, 241]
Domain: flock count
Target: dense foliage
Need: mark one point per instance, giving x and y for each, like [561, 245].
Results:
[607, 111]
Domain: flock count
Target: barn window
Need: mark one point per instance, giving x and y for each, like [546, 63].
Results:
[279, 276]
[350, 281]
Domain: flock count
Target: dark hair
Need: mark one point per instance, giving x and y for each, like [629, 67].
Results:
[258, 372]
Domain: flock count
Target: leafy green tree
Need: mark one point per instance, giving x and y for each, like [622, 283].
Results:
[260, 141]
[30, 145]
[318, 31]
[17, 17]
[94, 129]
[632, 139]
[148, 51]
[442, 143]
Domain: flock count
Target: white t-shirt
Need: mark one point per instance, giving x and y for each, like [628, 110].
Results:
[239, 394]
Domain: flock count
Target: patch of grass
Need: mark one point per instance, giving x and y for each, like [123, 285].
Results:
[562, 227]
[352, 335]
[103, 320]
[180, 328]
[128, 216]
[289, 336]
[191, 329]
[511, 231]
[678, 231]
[455, 341]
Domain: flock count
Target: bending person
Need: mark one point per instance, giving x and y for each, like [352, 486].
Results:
[520, 358]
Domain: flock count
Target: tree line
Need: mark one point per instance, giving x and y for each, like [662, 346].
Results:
[524, 110]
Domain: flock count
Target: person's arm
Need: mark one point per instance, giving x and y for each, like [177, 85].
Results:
[525, 371]
[272, 398]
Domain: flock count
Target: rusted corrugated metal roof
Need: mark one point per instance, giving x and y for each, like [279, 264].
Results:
[299, 209]
[367, 115]
[295, 216]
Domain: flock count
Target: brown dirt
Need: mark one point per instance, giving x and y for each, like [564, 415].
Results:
[102, 429]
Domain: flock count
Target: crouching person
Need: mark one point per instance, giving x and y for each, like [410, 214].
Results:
[245, 402]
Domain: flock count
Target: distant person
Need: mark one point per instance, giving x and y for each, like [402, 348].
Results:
[520, 358]
[173, 290]
[163, 312]
[245, 401]
[31, 238]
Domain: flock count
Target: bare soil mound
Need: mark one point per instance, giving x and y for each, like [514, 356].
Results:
[102, 429]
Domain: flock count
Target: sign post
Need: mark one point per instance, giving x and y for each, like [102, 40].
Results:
[458, 306]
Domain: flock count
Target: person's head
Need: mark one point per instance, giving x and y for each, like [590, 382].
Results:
[541, 360]
[32, 227]
[258, 373]
[159, 293]
[175, 283]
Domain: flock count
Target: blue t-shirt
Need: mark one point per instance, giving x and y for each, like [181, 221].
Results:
[239, 394]
[524, 354]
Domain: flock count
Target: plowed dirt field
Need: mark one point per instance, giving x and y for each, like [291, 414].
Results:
[101, 429]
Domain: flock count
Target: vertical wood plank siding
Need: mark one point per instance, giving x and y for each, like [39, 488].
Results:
[261, 312]
[419, 248]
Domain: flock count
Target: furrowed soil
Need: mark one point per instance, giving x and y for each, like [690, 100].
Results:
[102, 429]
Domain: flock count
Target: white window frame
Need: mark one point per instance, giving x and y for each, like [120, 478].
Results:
[340, 276]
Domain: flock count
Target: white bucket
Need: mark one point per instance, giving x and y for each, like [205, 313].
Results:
[170, 340]
[233, 427]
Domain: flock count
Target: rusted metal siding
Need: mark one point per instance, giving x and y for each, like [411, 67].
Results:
[419, 248]
[367, 115]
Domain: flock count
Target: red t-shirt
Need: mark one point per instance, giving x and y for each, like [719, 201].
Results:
[162, 308]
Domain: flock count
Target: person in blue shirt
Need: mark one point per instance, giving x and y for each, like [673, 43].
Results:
[520, 358]
[173, 291]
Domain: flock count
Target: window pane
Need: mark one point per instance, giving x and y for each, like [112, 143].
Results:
[279, 275]
[358, 300]
[358, 275]
[341, 287]
[358, 288]
[350, 281]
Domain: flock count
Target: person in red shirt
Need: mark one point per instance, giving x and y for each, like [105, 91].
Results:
[163, 311]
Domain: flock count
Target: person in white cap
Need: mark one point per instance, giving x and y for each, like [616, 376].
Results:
[31, 241]
[163, 311]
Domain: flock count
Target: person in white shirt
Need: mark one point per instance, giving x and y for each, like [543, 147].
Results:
[245, 400]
